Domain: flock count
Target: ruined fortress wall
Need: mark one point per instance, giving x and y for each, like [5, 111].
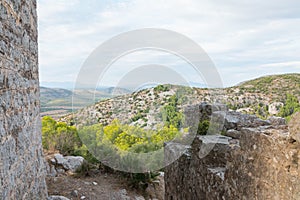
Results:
[255, 159]
[22, 174]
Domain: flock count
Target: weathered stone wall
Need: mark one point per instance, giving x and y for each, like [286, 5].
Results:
[256, 159]
[22, 168]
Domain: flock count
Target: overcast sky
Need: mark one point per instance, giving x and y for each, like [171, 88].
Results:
[245, 39]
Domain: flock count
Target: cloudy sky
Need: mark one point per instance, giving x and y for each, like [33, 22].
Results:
[244, 39]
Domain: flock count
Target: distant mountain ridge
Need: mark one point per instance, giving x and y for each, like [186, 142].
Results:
[48, 94]
[57, 102]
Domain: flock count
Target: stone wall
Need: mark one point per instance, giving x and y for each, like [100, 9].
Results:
[22, 167]
[253, 159]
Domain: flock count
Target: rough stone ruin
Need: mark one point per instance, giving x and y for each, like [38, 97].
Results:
[252, 159]
[22, 169]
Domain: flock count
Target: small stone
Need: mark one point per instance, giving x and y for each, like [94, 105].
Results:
[57, 198]
[95, 183]
[123, 192]
[53, 161]
[74, 193]
[60, 171]
[139, 198]
[233, 133]
[82, 197]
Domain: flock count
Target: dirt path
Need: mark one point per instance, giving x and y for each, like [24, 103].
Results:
[99, 186]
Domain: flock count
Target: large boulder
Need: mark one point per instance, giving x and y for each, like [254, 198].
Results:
[71, 163]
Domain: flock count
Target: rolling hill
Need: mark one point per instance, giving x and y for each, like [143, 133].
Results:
[262, 96]
[57, 102]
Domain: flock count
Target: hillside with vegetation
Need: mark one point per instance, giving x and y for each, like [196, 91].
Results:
[128, 121]
[273, 86]
[263, 97]
[123, 128]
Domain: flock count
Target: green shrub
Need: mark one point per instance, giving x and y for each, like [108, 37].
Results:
[59, 136]
[203, 127]
[170, 113]
[162, 88]
[290, 107]
[119, 143]
[138, 116]
[124, 145]
[141, 180]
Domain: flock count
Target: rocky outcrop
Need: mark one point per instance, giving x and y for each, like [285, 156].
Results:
[275, 107]
[253, 159]
[59, 164]
[22, 169]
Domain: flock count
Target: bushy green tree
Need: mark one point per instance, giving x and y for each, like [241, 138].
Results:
[170, 113]
[290, 107]
[59, 136]
[162, 88]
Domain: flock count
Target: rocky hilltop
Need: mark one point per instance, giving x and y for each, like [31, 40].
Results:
[263, 97]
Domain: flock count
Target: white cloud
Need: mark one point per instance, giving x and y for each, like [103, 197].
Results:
[239, 36]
